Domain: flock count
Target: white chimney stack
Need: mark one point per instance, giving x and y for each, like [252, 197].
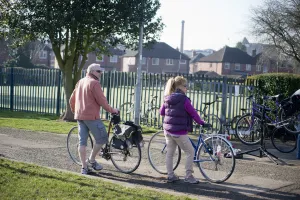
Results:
[182, 36]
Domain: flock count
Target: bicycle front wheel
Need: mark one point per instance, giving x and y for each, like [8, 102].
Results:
[248, 129]
[157, 150]
[284, 141]
[126, 160]
[73, 144]
[215, 159]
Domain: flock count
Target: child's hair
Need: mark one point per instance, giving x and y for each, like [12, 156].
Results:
[174, 83]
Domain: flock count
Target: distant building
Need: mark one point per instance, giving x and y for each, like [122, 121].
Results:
[158, 58]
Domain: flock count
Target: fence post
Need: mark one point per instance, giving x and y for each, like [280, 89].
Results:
[224, 99]
[12, 88]
[108, 90]
[58, 93]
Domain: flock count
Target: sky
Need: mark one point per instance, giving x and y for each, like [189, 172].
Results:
[209, 24]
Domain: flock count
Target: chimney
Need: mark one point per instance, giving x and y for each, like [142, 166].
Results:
[254, 52]
[182, 36]
[194, 53]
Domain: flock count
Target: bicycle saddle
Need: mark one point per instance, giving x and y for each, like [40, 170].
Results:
[208, 103]
[244, 109]
[274, 98]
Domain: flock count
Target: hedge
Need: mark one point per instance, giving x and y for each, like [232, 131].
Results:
[276, 83]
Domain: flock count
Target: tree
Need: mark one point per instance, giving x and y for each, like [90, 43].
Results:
[240, 46]
[277, 22]
[77, 27]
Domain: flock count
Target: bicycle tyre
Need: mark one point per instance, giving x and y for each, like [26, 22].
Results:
[291, 127]
[151, 117]
[73, 143]
[215, 121]
[284, 141]
[122, 163]
[234, 121]
[216, 158]
[243, 135]
[157, 151]
[127, 111]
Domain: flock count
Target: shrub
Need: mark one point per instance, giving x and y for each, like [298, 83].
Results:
[276, 83]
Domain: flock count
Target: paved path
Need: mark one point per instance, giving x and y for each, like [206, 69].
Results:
[253, 178]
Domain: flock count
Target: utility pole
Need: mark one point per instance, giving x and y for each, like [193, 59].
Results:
[137, 101]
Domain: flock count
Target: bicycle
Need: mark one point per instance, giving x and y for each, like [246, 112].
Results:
[210, 156]
[248, 128]
[149, 117]
[126, 160]
[212, 119]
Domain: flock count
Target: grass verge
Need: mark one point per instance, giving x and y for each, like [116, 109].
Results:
[42, 122]
[26, 181]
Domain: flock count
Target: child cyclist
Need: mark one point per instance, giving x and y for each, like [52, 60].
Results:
[178, 115]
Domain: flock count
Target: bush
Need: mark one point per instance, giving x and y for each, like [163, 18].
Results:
[273, 84]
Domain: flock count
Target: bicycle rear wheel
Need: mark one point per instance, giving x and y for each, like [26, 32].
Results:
[292, 122]
[126, 160]
[284, 141]
[152, 117]
[73, 144]
[216, 159]
[248, 129]
[215, 121]
[157, 150]
[127, 111]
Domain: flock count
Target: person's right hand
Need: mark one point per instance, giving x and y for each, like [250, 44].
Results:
[115, 111]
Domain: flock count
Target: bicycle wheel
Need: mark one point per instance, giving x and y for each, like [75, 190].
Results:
[151, 117]
[284, 141]
[248, 129]
[215, 122]
[234, 121]
[157, 153]
[127, 111]
[216, 159]
[292, 122]
[73, 144]
[126, 160]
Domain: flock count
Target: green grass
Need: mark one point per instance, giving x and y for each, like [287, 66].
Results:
[26, 181]
[42, 122]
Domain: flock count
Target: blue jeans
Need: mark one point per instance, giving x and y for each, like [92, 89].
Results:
[97, 129]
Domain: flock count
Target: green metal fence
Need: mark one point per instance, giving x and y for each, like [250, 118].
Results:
[41, 90]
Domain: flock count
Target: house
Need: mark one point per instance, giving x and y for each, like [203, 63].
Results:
[228, 61]
[111, 62]
[193, 62]
[157, 58]
[41, 54]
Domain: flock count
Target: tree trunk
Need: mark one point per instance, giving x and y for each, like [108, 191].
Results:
[68, 88]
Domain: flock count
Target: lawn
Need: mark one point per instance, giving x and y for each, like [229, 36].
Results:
[42, 122]
[26, 181]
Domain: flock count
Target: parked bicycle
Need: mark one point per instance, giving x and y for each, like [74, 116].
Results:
[212, 119]
[213, 155]
[125, 154]
[149, 117]
[248, 128]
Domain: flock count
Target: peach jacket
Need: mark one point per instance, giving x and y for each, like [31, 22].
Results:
[87, 98]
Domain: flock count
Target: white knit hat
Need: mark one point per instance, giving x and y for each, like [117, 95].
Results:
[94, 67]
